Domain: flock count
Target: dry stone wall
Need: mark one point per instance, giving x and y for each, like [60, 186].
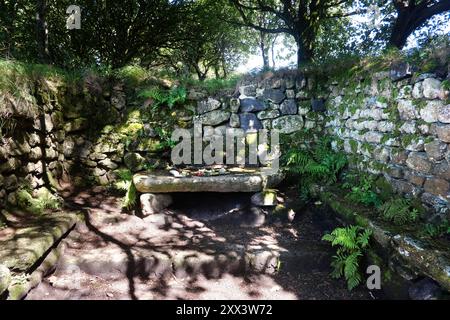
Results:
[64, 134]
[395, 123]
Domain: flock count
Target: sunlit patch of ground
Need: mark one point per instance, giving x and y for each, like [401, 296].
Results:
[185, 253]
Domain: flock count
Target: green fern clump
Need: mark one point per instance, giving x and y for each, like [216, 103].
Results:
[160, 97]
[399, 211]
[436, 230]
[352, 241]
[318, 165]
[125, 183]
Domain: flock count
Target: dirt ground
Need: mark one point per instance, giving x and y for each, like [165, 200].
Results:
[185, 253]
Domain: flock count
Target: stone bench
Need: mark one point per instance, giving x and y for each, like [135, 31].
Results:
[156, 187]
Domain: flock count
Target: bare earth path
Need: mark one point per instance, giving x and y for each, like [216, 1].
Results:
[204, 248]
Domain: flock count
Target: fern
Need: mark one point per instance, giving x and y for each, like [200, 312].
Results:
[320, 164]
[351, 241]
[437, 230]
[399, 211]
[169, 98]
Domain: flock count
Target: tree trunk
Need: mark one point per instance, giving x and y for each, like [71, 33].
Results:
[304, 53]
[411, 17]
[42, 31]
[272, 48]
[264, 52]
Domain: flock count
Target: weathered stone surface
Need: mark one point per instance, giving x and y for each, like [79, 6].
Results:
[134, 161]
[290, 94]
[34, 139]
[98, 172]
[373, 137]
[443, 132]
[403, 187]
[435, 150]
[108, 163]
[76, 125]
[249, 91]
[418, 161]
[442, 170]
[154, 203]
[214, 118]
[250, 122]
[430, 113]
[252, 105]
[235, 104]
[408, 127]
[268, 114]
[266, 198]
[386, 126]
[273, 95]
[444, 114]
[417, 92]
[407, 110]
[436, 186]
[289, 106]
[10, 165]
[431, 88]
[417, 144]
[208, 105]
[425, 289]
[235, 122]
[43, 123]
[414, 178]
[400, 71]
[196, 95]
[11, 182]
[27, 245]
[288, 124]
[5, 278]
[163, 182]
[318, 105]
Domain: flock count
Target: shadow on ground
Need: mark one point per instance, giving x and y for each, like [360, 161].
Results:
[207, 246]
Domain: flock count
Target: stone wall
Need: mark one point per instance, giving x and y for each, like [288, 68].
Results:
[394, 122]
[61, 134]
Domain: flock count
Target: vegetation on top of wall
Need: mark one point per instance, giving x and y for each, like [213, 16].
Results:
[211, 86]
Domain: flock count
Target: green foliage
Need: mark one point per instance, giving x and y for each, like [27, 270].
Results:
[166, 138]
[399, 211]
[319, 164]
[446, 84]
[436, 230]
[351, 242]
[132, 74]
[159, 97]
[211, 86]
[44, 200]
[363, 192]
[125, 184]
